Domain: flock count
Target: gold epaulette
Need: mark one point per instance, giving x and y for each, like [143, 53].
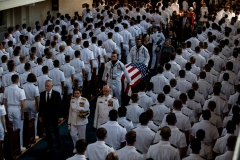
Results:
[114, 97]
[72, 97]
[84, 98]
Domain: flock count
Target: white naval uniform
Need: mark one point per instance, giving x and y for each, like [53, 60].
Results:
[193, 156]
[220, 146]
[153, 95]
[37, 70]
[211, 131]
[61, 58]
[163, 150]
[57, 77]
[133, 113]
[77, 157]
[126, 123]
[145, 101]
[2, 113]
[98, 150]
[41, 82]
[159, 82]
[13, 95]
[118, 39]
[154, 38]
[195, 106]
[183, 121]
[115, 134]
[221, 105]
[159, 110]
[86, 56]
[206, 151]
[23, 77]
[78, 65]
[49, 63]
[139, 55]
[20, 68]
[109, 46]
[129, 153]
[126, 37]
[31, 92]
[227, 155]
[103, 106]
[114, 80]
[183, 85]
[96, 52]
[177, 138]
[168, 74]
[6, 79]
[204, 87]
[78, 124]
[68, 71]
[145, 137]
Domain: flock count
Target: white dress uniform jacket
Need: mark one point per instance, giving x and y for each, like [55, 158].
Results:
[57, 76]
[129, 153]
[77, 157]
[193, 156]
[103, 106]
[41, 82]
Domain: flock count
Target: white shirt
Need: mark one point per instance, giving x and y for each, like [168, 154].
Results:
[116, 134]
[177, 138]
[144, 100]
[221, 105]
[126, 123]
[159, 82]
[227, 155]
[98, 150]
[211, 131]
[109, 46]
[220, 146]
[204, 87]
[144, 138]
[206, 151]
[41, 82]
[183, 85]
[13, 94]
[194, 41]
[129, 153]
[183, 121]
[193, 156]
[169, 75]
[163, 150]
[159, 110]
[133, 113]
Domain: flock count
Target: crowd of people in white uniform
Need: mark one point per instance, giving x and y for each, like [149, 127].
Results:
[188, 110]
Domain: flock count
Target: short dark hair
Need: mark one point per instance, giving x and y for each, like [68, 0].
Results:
[31, 78]
[131, 137]
[165, 132]
[81, 145]
[200, 134]
[171, 119]
[113, 115]
[101, 133]
[56, 63]
[14, 78]
[122, 111]
[143, 119]
[196, 145]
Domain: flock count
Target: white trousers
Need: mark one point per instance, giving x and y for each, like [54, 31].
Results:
[30, 106]
[77, 132]
[14, 115]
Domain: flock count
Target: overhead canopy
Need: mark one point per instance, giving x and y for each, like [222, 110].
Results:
[6, 4]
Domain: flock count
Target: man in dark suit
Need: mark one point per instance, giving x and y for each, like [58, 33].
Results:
[172, 38]
[50, 112]
[183, 21]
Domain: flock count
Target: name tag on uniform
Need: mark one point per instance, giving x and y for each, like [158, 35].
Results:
[81, 104]
[110, 103]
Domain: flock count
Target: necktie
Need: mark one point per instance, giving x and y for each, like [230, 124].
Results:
[48, 97]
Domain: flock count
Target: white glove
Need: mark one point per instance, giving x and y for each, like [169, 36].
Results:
[69, 127]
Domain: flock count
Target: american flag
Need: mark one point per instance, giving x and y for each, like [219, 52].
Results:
[137, 73]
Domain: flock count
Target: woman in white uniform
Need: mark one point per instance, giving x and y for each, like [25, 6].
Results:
[31, 102]
[78, 113]
[204, 13]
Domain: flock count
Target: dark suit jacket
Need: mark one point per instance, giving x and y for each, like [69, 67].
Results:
[181, 21]
[52, 109]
